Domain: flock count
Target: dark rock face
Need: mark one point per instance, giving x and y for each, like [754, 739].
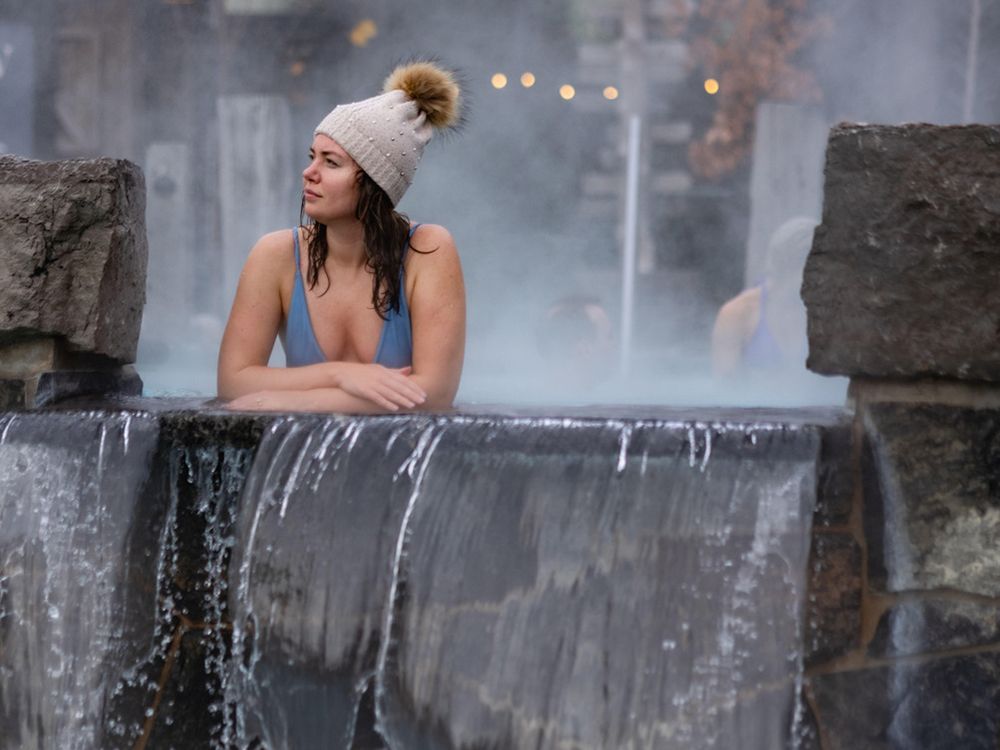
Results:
[935, 624]
[903, 276]
[833, 612]
[932, 498]
[835, 489]
[73, 253]
[942, 703]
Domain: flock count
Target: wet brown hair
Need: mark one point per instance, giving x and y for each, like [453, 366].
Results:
[386, 233]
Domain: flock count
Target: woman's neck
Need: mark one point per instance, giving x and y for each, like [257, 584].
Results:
[345, 240]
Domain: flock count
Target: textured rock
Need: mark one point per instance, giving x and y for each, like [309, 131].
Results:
[939, 704]
[932, 498]
[927, 625]
[833, 610]
[73, 253]
[904, 268]
[49, 388]
[834, 491]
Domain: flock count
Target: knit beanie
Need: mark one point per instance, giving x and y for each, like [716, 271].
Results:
[386, 134]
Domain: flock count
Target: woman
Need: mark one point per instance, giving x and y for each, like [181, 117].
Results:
[370, 308]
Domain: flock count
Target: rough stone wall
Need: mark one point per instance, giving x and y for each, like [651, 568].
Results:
[903, 617]
[905, 266]
[73, 254]
[903, 625]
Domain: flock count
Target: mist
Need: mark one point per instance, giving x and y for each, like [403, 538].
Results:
[217, 101]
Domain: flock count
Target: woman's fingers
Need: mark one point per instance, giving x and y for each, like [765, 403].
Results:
[398, 398]
[405, 385]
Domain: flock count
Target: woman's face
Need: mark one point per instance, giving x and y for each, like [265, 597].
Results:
[329, 182]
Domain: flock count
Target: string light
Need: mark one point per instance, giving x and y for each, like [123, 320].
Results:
[711, 86]
[567, 92]
[363, 33]
[499, 80]
[610, 93]
[527, 80]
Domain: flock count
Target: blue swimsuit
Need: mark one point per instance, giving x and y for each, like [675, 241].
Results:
[395, 345]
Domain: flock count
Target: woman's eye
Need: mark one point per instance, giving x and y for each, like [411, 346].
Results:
[331, 163]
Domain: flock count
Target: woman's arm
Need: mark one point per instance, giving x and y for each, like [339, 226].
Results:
[734, 325]
[253, 327]
[249, 338]
[437, 316]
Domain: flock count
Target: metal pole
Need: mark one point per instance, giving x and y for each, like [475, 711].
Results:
[971, 61]
[631, 234]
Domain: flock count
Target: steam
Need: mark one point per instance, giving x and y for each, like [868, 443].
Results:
[510, 187]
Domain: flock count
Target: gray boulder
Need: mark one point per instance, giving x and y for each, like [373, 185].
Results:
[903, 276]
[73, 254]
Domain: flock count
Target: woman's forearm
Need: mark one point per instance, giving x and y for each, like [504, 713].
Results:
[256, 378]
[316, 400]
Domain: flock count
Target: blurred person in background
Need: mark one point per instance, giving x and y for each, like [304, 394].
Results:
[762, 330]
[576, 342]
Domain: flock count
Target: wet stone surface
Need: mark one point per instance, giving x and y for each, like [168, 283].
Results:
[835, 482]
[833, 606]
[932, 498]
[931, 624]
[902, 277]
[938, 704]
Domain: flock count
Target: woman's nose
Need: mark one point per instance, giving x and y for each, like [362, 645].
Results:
[309, 172]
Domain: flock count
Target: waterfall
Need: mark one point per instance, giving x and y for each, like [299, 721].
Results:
[169, 580]
[521, 583]
[71, 599]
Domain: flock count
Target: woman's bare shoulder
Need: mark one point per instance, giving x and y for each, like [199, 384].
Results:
[434, 245]
[271, 252]
[740, 315]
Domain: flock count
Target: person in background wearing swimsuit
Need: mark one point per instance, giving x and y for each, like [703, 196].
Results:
[763, 329]
[370, 309]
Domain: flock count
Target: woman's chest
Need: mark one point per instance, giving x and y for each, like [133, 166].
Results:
[343, 320]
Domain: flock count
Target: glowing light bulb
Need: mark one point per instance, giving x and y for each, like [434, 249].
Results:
[567, 92]
[527, 80]
[610, 93]
[499, 80]
[711, 86]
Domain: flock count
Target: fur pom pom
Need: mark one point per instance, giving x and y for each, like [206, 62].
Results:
[435, 91]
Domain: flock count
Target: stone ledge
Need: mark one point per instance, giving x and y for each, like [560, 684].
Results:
[48, 388]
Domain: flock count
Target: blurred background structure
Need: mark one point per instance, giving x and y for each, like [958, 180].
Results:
[217, 100]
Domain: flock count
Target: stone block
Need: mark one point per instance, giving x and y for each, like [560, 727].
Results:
[902, 277]
[935, 624]
[937, 704]
[49, 388]
[833, 609]
[73, 254]
[931, 477]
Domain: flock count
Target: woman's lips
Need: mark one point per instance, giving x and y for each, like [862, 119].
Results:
[310, 194]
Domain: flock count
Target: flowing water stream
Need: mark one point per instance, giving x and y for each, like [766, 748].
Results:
[407, 582]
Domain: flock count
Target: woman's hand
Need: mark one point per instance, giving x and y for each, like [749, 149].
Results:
[383, 386]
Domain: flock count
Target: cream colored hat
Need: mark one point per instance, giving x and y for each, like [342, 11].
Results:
[386, 134]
